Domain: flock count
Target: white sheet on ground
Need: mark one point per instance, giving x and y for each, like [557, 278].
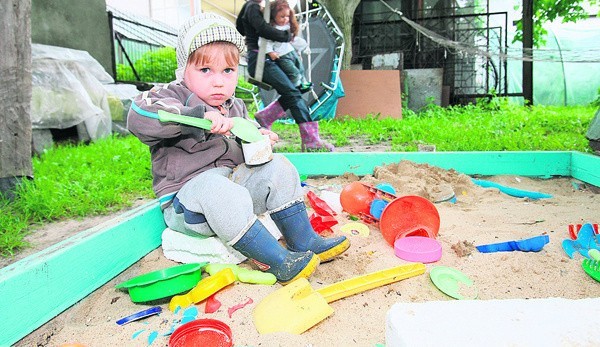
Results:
[185, 249]
[514, 322]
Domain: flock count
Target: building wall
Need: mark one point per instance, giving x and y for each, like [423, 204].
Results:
[76, 24]
[176, 12]
[138, 7]
[226, 8]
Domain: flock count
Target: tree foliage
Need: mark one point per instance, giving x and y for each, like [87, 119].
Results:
[545, 11]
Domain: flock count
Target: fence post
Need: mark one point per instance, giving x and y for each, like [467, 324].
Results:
[112, 45]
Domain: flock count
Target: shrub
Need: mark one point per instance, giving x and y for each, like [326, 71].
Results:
[153, 66]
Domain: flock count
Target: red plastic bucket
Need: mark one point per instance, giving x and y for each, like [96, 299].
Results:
[202, 332]
[409, 215]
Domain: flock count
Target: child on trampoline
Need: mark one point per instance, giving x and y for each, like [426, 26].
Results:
[200, 177]
[251, 24]
[285, 54]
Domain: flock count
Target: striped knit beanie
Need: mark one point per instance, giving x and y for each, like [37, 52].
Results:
[203, 29]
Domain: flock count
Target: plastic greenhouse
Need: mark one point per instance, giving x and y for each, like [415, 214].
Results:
[567, 82]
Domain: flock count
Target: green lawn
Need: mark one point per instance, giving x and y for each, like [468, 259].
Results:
[76, 181]
[496, 127]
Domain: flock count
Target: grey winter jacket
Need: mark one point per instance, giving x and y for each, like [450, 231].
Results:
[180, 152]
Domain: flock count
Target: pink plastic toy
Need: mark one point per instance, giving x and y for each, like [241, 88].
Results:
[418, 249]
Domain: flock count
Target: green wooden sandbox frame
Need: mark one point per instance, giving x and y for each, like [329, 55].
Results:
[41, 286]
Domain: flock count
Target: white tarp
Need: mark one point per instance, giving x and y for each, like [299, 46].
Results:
[67, 90]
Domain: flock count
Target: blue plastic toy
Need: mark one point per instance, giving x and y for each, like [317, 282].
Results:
[386, 187]
[511, 191]
[534, 244]
[586, 240]
[139, 315]
[377, 205]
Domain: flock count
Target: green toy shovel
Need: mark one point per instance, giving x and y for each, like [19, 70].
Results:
[242, 128]
[592, 268]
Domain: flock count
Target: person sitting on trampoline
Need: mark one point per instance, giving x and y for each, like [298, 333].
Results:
[285, 54]
[251, 24]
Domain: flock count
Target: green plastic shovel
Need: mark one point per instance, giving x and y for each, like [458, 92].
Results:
[242, 128]
[592, 268]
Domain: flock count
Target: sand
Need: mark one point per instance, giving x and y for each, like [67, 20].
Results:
[480, 216]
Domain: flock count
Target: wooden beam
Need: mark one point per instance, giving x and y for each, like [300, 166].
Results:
[39, 287]
[586, 168]
[15, 99]
[540, 164]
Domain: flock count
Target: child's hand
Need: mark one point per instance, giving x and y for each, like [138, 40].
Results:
[272, 136]
[273, 55]
[220, 124]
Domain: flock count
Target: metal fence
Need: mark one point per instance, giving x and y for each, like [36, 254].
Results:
[143, 49]
[467, 77]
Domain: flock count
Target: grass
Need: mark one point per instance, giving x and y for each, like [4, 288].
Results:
[76, 181]
[501, 127]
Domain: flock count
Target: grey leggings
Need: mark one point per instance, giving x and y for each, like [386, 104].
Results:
[225, 202]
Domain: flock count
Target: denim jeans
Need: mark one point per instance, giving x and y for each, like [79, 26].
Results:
[292, 66]
[290, 96]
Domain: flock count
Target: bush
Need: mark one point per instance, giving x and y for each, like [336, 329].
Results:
[153, 66]
[244, 88]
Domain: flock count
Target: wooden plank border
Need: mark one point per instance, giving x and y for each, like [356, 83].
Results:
[586, 167]
[542, 164]
[41, 286]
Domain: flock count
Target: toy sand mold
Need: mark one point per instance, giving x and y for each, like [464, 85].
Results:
[297, 307]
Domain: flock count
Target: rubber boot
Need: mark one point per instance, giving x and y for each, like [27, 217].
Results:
[299, 235]
[305, 87]
[268, 255]
[311, 142]
[268, 115]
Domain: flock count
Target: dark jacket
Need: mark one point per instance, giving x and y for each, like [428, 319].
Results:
[251, 24]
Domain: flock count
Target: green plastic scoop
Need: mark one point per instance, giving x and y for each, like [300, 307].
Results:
[592, 268]
[453, 283]
[242, 128]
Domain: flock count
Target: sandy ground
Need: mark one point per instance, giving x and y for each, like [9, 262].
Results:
[480, 216]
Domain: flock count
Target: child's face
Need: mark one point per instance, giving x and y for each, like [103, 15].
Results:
[213, 80]
[282, 17]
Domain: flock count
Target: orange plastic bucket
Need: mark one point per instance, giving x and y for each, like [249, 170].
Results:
[409, 215]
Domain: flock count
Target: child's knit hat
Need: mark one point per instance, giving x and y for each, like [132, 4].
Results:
[203, 29]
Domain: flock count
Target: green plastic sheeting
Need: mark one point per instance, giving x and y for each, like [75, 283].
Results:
[563, 83]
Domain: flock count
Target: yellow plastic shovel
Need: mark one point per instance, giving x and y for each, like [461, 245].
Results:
[297, 307]
[203, 289]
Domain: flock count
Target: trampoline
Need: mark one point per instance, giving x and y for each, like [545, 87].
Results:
[322, 64]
